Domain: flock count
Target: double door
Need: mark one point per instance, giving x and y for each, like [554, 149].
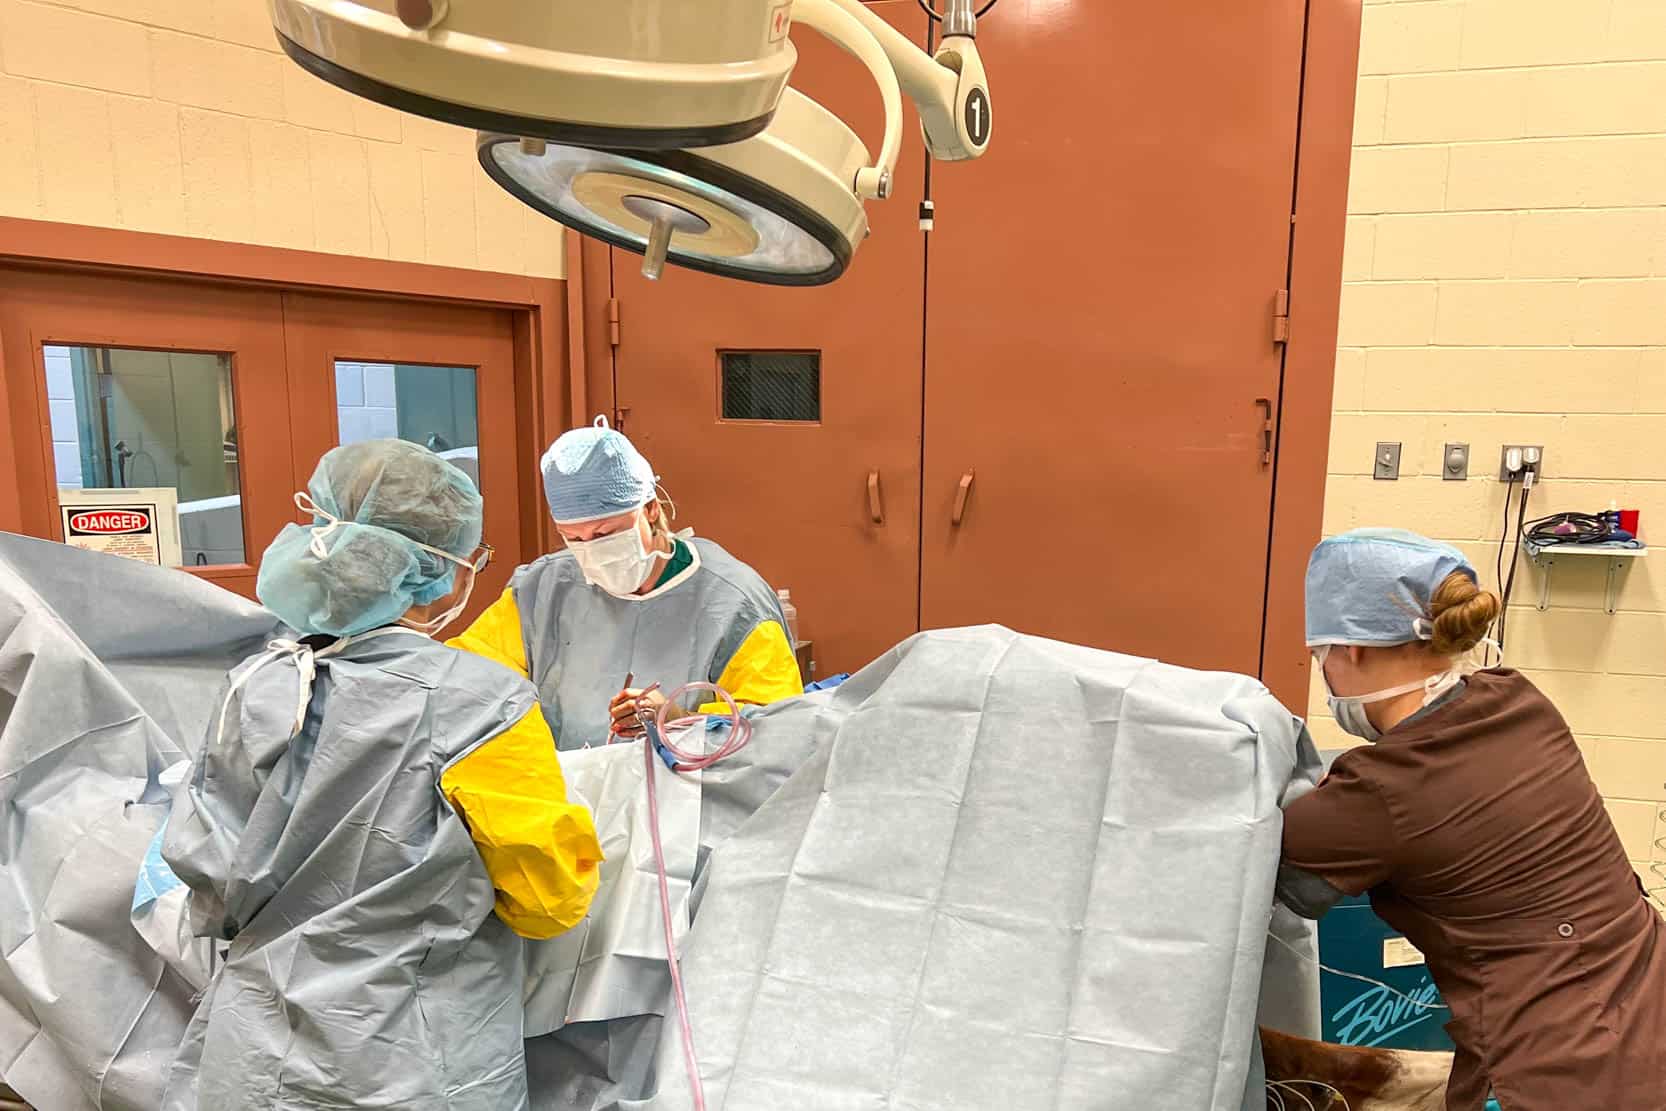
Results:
[1052, 411]
[228, 396]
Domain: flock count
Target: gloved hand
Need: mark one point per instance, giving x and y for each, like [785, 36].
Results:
[627, 704]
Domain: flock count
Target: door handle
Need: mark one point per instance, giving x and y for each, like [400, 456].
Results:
[876, 501]
[1266, 407]
[960, 497]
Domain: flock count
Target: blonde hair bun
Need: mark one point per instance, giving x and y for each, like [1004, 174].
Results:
[1462, 613]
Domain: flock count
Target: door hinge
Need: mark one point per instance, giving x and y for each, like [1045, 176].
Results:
[1281, 316]
[619, 418]
[613, 321]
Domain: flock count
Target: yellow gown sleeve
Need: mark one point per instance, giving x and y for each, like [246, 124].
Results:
[496, 635]
[540, 850]
[762, 670]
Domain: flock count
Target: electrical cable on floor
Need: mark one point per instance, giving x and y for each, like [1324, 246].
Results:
[1282, 1088]
[1291, 1085]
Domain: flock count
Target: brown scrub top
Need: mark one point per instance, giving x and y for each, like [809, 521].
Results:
[1481, 838]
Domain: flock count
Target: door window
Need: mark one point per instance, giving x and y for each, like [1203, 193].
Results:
[434, 406]
[142, 418]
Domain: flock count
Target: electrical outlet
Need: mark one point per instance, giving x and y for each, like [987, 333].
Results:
[1455, 462]
[1537, 466]
[1387, 462]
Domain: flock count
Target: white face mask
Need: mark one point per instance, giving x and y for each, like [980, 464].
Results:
[618, 563]
[1349, 710]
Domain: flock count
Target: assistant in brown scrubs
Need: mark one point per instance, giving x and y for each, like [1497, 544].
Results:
[1475, 827]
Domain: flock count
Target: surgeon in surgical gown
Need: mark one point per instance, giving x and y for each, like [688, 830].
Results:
[372, 821]
[628, 597]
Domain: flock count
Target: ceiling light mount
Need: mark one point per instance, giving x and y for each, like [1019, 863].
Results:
[959, 19]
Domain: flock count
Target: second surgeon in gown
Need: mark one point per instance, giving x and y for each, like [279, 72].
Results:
[628, 597]
[371, 821]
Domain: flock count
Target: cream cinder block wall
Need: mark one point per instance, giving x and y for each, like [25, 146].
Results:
[1506, 283]
[183, 117]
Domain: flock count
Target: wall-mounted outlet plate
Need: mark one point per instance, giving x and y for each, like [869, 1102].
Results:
[1538, 468]
[1387, 463]
[1455, 462]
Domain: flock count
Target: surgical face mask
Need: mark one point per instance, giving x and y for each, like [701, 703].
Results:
[1349, 710]
[619, 563]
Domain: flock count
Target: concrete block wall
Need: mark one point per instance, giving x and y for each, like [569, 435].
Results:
[66, 432]
[1506, 283]
[183, 117]
[366, 407]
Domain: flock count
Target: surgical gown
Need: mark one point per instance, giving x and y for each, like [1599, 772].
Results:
[354, 865]
[718, 622]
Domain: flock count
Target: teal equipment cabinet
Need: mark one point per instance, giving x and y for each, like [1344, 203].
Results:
[1352, 938]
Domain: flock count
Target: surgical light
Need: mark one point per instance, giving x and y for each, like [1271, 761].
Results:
[762, 209]
[663, 127]
[651, 74]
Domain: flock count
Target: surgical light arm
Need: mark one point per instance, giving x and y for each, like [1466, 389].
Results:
[949, 89]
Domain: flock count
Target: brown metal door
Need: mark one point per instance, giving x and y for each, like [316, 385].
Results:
[152, 318]
[11, 502]
[799, 500]
[1099, 329]
[325, 334]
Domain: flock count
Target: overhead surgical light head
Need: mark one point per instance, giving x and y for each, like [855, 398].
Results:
[765, 209]
[652, 74]
[660, 126]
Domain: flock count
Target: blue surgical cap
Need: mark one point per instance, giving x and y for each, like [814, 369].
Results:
[594, 473]
[1372, 587]
[392, 499]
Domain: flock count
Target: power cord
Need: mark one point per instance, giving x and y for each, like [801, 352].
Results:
[1570, 528]
[1503, 592]
[1405, 1000]
[1509, 584]
[1657, 865]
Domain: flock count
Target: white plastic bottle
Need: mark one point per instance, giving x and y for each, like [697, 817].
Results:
[790, 612]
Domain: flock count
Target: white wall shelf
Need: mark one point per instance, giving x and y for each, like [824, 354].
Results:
[1619, 559]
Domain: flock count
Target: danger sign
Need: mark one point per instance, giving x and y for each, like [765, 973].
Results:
[140, 524]
[113, 522]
